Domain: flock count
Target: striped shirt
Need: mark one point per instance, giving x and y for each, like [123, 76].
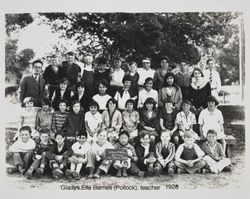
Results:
[58, 120]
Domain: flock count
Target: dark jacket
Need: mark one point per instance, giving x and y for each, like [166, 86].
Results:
[139, 150]
[70, 72]
[30, 88]
[66, 151]
[58, 97]
[152, 122]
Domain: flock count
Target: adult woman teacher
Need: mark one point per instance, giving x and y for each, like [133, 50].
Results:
[199, 90]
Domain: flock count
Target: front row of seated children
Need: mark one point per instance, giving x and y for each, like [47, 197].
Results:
[143, 159]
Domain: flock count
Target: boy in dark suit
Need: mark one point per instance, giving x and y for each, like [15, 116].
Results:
[33, 85]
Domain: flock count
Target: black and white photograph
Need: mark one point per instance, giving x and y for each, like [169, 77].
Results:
[124, 101]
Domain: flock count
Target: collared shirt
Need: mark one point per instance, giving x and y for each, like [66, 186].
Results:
[99, 150]
[144, 74]
[213, 151]
[36, 77]
[81, 149]
[185, 121]
[211, 120]
[216, 81]
[20, 146]
[93, 120]
[122, 97]
[143, 95]
[101, 100]
[146, 149]
[183, 79]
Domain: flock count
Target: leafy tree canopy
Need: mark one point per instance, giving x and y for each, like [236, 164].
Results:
[135, 35]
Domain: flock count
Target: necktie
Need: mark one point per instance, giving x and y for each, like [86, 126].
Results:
[210, 77]
[36, 78]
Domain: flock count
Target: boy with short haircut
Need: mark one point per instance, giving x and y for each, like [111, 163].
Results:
[125, 93]
[22, 151]
[97, 156]
[189, 156]
[215, 157]
[93, 121]
[40, 161]
[123, 165]
[146, 154]
[58, 155]
[74, 123]
[116, 75]
[165, 151]
[79, 156]
[183, 79]
[101, 72]
[59, 117]
[132, 72]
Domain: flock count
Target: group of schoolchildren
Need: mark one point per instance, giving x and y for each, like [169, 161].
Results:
[154, 126]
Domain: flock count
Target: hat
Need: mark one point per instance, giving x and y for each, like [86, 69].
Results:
[211, 98]
[146, 59]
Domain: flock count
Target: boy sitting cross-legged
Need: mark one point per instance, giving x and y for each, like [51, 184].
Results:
[58, 155]
[215, 157]
[130, 163]
[79, 156]
[165, 151]
[145, 152]
[97, 156]
[22, 151]
[189, 156]
[39, 159]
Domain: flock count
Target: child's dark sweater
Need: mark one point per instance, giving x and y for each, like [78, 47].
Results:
[74, 123]
[66, 151]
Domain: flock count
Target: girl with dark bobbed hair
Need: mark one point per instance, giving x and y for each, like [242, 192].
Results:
[170, 90]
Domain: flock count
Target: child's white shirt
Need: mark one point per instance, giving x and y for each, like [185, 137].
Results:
[117, 76]
[101, 100]
[146, 152]
[144, 74]
[81, 149]
[93, 120]
[98, 150]
[211, 120]
[20, 146]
